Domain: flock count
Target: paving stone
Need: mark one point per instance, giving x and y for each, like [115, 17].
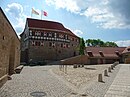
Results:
[121, 84]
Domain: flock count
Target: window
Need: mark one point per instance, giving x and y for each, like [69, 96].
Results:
[33, 43]
[37, 43]
[30, 32]
[50, 34]
[51, 44]
[61, 45]
[117, 53]
[53, 34]
[90, 53]
[42, 43]
[128, 49]
[45, 33]
[3, 37]
[57, 35]
[101, 53]
[64, 45]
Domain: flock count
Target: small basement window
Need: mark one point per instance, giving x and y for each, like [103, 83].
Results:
[3, 37]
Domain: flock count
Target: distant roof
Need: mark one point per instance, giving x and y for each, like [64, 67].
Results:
[48, 25]
[127, 50]
[107, 51]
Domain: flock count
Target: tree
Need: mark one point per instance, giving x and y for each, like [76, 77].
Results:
[100, 43]
[110, 44]
[81, 46]
[88, 42]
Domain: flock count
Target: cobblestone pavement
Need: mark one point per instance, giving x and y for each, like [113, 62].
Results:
[34, 79]
[121, 84]
[43, 79]
[98, 89]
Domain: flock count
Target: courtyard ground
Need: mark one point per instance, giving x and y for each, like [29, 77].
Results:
[49, 81]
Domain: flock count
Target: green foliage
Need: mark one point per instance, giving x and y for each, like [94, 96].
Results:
[81, 46]
[100, 43]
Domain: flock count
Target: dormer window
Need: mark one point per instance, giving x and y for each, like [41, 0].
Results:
[90, 53]
[101, 53]
[128, 49]
[117, 53]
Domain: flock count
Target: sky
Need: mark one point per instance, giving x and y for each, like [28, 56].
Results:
[108, 20]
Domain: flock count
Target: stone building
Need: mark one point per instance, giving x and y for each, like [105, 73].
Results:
[101, 55]
[104, 55]
[9, 48]
[126, 55]
[47, 41]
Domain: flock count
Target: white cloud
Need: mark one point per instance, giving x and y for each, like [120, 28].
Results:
[69, 5]
[77, 32]
[123, 43]
[15, 10]
[107, 14]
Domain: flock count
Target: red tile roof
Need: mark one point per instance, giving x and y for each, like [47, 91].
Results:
[48, 25]
[127, 50]
[107, 51]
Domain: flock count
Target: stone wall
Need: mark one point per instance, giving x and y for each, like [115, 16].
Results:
[81, 59]
[9, 47]
[127, 60]
[41, 53]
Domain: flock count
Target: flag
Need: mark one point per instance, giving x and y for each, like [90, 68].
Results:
[44, 13]
[34, 12]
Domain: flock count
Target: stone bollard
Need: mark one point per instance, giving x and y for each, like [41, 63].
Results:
[109, 69]
[78, 65]
[65, 68]
[60, 67]
[112, 67]
[100, 78]
[9, 77]
[105, 73]
[82, 65]
[74, 65]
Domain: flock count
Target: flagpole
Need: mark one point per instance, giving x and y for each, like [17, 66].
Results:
[41, 14]
[31, 13]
